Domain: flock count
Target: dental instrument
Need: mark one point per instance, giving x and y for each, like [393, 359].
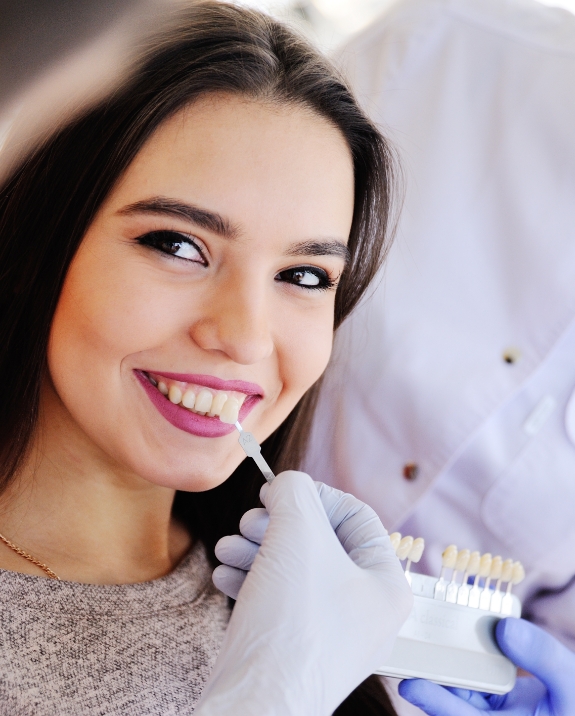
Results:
[471, 571]
[395, 538]
[449, 638]
[517, 576]
[460, 566]
[252, 449]
[448, 559]
[415, 554]
[484, 569]
[494, 574]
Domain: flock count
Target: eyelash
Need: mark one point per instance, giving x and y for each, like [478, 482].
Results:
[166, 241]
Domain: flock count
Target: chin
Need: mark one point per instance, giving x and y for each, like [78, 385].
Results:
[196, 475]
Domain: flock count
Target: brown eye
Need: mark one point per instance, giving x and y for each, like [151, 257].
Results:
[173, 243]
[310, 277]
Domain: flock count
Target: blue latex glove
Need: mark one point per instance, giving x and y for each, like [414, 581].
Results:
[552, 693]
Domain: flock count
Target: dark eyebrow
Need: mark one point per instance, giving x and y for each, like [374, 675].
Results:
[209, 220]
[320, 248]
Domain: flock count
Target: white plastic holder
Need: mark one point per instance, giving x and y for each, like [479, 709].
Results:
[450, 644]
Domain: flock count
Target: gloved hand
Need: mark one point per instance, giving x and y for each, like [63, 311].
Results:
[552, 693]
[238, 553]
[316, 614]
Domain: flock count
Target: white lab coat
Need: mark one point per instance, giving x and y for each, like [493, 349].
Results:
[479, 98]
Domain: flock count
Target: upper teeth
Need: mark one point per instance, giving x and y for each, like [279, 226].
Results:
[198, 399]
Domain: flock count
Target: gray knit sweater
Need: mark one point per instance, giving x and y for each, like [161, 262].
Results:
[69, 649]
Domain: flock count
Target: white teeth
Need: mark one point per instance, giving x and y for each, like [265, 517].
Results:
[175, 394]
[189, 399]
[230, 412]
[217, 404]
[203, 402]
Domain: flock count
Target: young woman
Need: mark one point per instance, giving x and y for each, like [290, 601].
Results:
[184, 249]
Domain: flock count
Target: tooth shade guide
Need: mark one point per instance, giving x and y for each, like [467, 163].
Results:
[449, 557]
[471, 571]
[447, 562]
[517, 576]
[461, 563]
[414, 556]
[395, 538]
[496, 568]
[404, 548]
[252, 449]
[484, 569]
[482, 572]
[505, 576]
[494, 573]
[415, 553]
[230, 411]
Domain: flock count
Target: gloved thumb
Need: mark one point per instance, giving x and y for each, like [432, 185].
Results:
[542, 655]
[293, 493]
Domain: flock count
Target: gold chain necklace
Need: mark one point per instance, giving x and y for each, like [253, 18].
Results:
[29, 557]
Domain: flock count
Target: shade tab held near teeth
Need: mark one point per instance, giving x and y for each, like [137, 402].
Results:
[230, 412]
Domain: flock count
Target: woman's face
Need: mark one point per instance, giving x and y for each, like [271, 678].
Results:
[209, 273]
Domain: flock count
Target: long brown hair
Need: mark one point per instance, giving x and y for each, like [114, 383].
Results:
[48, 202]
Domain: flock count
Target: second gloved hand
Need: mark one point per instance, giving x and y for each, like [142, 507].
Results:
[551, 693]
[317, 612]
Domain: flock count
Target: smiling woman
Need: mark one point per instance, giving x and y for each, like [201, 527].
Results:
[176, 258]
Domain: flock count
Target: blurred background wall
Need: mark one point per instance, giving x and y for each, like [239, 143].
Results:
[56, 55]
[330, 22]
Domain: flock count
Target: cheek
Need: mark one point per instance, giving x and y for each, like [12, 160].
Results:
[104, 315]
[305, 348]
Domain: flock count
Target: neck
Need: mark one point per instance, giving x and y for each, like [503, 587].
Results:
[82, 515]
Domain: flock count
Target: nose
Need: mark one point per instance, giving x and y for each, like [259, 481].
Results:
[235, 321]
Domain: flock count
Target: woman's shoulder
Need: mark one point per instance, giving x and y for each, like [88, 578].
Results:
[188, 585]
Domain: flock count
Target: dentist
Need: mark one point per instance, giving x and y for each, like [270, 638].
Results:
[450, 403]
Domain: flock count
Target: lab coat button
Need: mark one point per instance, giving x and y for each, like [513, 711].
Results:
[410, 471]
[511, 355]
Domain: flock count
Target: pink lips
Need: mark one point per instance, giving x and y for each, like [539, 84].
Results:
[193, 423]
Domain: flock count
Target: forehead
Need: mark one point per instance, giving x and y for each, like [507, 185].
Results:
[263, 165]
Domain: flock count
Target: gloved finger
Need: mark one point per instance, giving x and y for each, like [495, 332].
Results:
[254, 524]
[475, 698]
[357, 526]
[539, 653]
[228, 580]
[293, 496]
[434, 700]
[236, 551]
